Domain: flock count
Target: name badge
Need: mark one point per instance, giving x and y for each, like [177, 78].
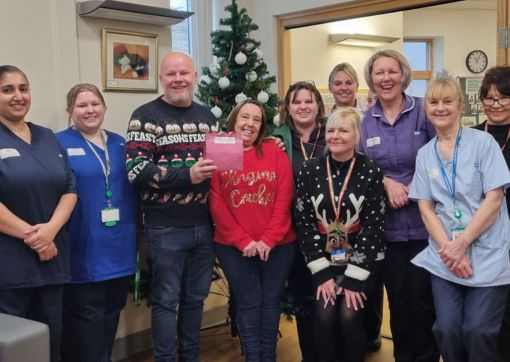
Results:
[371, 142]
[433, 172]
[456, 231]
[110, 216]
[338, 254]
[76, 151]
[8, 152]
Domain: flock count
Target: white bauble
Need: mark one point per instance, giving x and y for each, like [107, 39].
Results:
[276, 120]
[205, 79]
[216, 111]
[240, 58]
[223, 82]
[262, 97]
[251, 76]
[214, 68]
[258, 53]
[241, 97]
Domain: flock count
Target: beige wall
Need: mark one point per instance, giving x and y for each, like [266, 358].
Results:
[314, 40]
[455, 33]
[462, 31]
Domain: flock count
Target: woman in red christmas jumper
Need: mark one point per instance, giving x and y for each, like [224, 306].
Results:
[251, 210]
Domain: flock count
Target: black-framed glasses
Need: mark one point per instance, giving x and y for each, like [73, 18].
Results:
[489, 101]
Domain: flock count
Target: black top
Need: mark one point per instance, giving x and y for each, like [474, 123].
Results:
[163, 135]
[500, 134]
[362, 211]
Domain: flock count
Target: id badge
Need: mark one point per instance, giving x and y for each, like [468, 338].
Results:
[338, 254]
[456, 231]
[110, 216]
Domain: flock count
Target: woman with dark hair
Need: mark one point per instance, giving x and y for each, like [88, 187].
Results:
[254, 237]
[495, 96]
[101, 230]
[340, 221]
[302, 131]
[392, 132]
[37, 196]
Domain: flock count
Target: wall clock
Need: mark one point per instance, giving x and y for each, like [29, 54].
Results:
[476, 61]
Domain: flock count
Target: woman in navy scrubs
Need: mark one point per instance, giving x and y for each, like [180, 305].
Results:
[37, 196]
[101, 230]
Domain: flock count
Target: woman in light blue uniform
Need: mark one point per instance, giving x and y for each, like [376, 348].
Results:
[459, 183]
[101, 230]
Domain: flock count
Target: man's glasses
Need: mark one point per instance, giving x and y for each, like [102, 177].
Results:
[489, 101]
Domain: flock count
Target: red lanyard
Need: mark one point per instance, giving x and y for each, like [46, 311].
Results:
[303, 151]
[337, 208]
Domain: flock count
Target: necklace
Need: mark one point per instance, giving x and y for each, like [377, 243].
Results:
[486, 129]
[303, 150]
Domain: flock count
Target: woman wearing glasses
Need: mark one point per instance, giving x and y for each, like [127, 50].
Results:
[495, 95]
[302, 132]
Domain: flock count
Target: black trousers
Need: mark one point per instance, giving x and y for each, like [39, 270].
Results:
[90, 320]
[301, 284]
[504, 334]
[410, 303]
[42, 304]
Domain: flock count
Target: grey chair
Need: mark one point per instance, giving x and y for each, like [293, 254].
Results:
[23, 340]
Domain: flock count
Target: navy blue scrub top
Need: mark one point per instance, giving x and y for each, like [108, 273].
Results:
[33, 177]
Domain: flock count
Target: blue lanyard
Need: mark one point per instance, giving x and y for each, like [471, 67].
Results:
[450, 186]
[106, 168]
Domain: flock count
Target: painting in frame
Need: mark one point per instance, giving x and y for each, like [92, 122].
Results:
[129, 61]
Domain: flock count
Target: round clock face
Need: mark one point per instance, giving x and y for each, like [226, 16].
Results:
[476, 61]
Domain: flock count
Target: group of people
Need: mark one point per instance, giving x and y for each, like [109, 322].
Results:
[335, 205]
[67, 221]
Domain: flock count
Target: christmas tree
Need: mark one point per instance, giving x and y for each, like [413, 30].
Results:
[238, 71]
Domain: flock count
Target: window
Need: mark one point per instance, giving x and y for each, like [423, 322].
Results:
[181, 32]
[419, 54]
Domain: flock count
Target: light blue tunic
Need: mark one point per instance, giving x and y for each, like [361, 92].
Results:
[480, 168]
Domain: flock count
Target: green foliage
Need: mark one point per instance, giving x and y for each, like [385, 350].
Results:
[227, 43]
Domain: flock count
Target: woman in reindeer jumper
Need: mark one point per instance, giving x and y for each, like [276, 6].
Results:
[340, 217]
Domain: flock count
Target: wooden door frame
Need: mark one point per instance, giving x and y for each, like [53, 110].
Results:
[349, 10]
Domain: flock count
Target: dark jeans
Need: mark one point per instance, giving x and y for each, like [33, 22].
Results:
[41, 304]
[182, 261]
[410, 303]
[90, 320]
[302, 287]
[258, 288]
[468, 320]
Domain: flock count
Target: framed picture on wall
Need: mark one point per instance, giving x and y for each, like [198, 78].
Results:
[129, 61]
[473, 109]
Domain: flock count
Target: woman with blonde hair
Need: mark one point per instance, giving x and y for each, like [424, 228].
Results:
[460, 181]
[101, 230]
[392, 132]
[340, 222]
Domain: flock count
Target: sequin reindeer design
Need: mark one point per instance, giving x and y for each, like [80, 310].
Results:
[337, 231]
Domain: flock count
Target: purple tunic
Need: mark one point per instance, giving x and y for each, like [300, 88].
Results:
[394, 148]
